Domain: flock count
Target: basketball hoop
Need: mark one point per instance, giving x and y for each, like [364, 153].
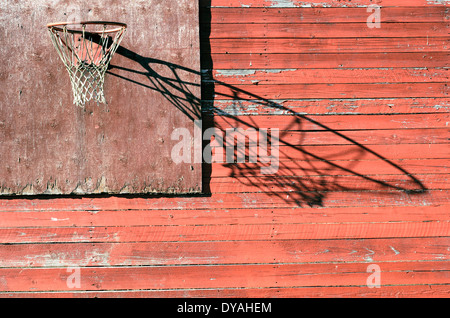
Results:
[86, 48]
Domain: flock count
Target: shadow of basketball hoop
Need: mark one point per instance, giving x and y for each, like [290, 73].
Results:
[305, 174]
[175, 90]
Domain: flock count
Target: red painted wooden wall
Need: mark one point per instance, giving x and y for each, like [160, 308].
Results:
[363, 177]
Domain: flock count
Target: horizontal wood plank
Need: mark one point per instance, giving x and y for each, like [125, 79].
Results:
[363, 137]
[278, 61]
[252, 15]
[325, 106]
[337, 182]
[231, 276]
[400, 169]
[328, 30]
[396, 291]
[226, 232]
[264, 215]
[237, 252]
[333, 122]
[321, 4]
[340, 45]
[298, 91]
[229, 201]
[321, 76]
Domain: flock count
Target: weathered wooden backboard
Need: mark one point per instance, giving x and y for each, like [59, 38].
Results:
[50, 146]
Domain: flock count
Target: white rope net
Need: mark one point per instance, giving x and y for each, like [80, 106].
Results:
[86, 55]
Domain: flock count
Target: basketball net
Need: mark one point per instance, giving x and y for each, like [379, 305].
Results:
[86, 56]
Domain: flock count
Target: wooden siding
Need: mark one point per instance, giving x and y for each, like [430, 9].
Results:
[363, 178]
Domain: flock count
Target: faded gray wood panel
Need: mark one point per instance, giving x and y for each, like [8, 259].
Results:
[50, 146]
